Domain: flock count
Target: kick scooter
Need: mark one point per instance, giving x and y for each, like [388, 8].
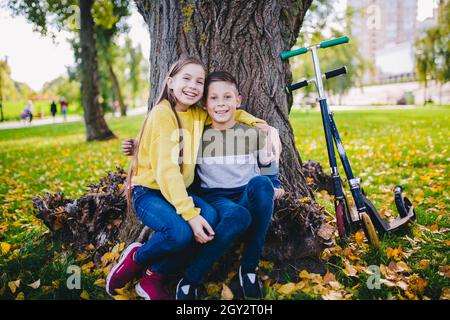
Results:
[365, 215]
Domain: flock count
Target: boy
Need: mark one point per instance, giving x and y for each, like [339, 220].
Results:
[239, 178]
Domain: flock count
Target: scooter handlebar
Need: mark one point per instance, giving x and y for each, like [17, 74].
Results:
[288, 54]
[334, 42]
[296, 86]
[335, 72]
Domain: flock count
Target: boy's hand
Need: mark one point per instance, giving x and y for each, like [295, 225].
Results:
[198, 225]
[274, 141]
[128, 147]
[263, 126]
[279, 193]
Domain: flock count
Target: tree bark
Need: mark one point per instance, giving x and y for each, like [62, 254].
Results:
[244, 38]
[96, 126]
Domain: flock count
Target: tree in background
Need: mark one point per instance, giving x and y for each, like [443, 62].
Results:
[432, 52]
[8, 88]
[137, 69]
[63, 86]
[111, 23]
[11, 90]
[47, 15]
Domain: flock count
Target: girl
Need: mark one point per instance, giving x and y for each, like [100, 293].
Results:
[162, 169]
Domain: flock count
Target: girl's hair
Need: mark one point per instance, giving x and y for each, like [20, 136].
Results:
[166, 94]
[217, 76]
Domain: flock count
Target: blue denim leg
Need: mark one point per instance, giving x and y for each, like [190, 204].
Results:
[258, 198]
[175, 262]
[171, 232]
[233, 221]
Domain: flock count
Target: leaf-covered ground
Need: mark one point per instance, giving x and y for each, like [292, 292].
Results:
[386, 148]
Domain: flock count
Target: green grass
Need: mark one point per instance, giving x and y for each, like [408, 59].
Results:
[385, 147]
[41, 109]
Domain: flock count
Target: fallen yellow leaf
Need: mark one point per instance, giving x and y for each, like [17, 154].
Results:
[100, 282]
[122, 292]
[403, 267]
[87, 267]
[13, 285]
[108, 256]
[84, 295]
[359, 237]
[267, 265]
[411, 296]
[434, 227]
[287, 289]
[445, 294]
[417, 284]
[424, 263]
[20, 296]
[5, 247]
[304, 274]
[212, 289]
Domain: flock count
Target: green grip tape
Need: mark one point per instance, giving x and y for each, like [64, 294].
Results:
[292, 53]
[334, 42]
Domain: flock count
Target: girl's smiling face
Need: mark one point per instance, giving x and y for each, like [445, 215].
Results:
[187, 86]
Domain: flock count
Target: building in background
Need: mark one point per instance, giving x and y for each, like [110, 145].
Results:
[386, 31]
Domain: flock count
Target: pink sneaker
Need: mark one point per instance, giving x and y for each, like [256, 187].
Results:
[124, 271]
[151, 286]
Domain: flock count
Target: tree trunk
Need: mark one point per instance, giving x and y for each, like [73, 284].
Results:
[244, 38]
[116, 86]
[425, 93]
[96, 126]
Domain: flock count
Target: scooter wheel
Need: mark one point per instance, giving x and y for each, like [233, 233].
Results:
[370, 231]
[341, 219]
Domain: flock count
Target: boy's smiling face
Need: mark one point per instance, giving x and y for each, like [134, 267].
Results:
[221, 103]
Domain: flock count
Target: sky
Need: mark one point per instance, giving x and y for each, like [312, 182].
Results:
[34, 59]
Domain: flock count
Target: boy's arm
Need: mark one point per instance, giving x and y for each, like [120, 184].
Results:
[271, 148]
[248, 119]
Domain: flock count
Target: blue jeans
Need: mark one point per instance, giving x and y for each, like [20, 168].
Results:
[249, 213]
[172, 233]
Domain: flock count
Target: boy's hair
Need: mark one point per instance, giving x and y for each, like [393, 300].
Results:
[217, 76]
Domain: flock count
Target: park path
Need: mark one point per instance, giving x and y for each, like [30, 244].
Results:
[59, 119]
